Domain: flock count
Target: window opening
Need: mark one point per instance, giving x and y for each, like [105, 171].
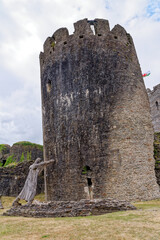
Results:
[81, 36]
[99, 35]
[89, 181]
[157, 105]
[93, 29]
[115, 37]
[48, 85]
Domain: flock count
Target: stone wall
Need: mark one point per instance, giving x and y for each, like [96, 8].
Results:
[21, 151]
[96, 116]
[4, 152]
[70, 209]
[12, 179]
[157, 156]
[31, 152]
[154, 99]
[13, 176]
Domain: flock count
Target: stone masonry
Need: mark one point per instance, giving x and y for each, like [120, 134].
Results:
[96, 116]
[70, 208]
[154, 99]
[12, 179]
[20, 152]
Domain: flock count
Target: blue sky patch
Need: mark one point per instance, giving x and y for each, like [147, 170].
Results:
[153, 8]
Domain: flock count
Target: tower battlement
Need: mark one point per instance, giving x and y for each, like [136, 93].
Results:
[62, 41]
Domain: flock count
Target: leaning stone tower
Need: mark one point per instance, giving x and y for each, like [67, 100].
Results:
[96, 117]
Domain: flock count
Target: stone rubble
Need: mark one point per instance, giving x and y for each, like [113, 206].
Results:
[70, 208]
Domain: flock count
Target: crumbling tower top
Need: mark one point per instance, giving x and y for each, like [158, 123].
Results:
[83, 30]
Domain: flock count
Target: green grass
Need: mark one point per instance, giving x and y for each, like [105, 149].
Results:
[148, 204]
[141, 224]
[26, 143]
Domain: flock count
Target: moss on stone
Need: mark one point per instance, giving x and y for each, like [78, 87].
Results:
[22, 157]
[29, 156]
[9, 160]
[26, 143]
[2, 147]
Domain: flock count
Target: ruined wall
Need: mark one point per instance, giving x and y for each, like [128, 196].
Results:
[4, 153]
[154, 99]
[13, 175]
[12, 179]
[70, 209]
[96, 119]
[28, 152]
[157, 156]
[20, 152]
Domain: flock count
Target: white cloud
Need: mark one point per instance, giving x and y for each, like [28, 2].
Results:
[25, 25]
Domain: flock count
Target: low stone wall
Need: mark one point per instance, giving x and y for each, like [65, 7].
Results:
[12, 179]
[70, 208]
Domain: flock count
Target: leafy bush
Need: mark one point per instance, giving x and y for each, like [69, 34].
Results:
[2, 147]
[22, 157]
[9, 160]
[52, 44]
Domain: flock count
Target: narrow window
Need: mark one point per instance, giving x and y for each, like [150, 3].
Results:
[48, 85]
[157, 105]
[93, 29]
[89, 182]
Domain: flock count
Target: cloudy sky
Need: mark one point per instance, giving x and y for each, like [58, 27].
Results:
[24, 26]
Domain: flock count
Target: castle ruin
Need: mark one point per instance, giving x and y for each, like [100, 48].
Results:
[96, 116]
[154, 99]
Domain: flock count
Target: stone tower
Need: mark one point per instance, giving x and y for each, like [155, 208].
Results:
[96, 119]
[154, 99]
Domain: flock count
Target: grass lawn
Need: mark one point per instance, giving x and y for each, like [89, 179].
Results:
[141, 224]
